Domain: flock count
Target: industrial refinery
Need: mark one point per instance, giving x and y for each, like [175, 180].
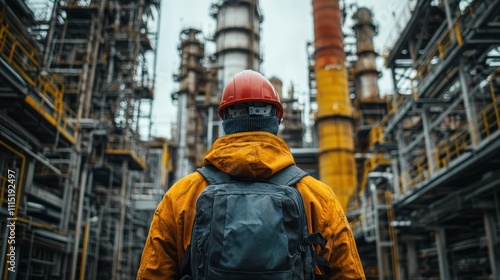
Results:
[417, 170]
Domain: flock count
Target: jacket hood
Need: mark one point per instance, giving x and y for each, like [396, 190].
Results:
[249, 154]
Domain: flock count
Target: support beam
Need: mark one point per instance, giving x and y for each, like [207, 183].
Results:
[440, 236]
[490, 227]
[429, 143]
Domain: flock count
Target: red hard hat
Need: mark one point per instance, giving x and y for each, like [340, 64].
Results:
[249, 86]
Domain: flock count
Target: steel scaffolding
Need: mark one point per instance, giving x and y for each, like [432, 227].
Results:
[77, 89]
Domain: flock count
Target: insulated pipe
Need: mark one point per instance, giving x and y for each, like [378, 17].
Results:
[337, 166]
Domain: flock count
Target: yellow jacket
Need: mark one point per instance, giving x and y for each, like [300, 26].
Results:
[254, 155]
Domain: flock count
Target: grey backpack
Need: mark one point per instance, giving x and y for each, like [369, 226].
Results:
[248, 229]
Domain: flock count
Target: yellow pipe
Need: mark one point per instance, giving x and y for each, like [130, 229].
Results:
[41, 225]
[84, 250]
[460, 41]
[337, 167]
[333, 94]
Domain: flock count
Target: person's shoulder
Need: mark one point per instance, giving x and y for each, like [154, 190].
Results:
[192, 182]
[314, 187]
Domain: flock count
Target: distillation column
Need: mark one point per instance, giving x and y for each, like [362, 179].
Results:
[366, 69]
[337, 167]
[370, 108]
[192, 52]
[370, 111]
[237, 38]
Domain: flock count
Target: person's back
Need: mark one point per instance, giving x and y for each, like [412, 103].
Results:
[251, 112]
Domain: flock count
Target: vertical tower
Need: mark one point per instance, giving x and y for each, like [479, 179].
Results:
[370, 107]
[192, 51]
[335, 112]
[237, 39]
[366, 69]
[292, 129]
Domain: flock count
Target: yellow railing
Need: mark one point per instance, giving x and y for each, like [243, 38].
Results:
[451, 35]
[439, 51]
[48, 90]
[376, 135]
[371, 163]
[481, 127]
[394, 103]
[132, 146]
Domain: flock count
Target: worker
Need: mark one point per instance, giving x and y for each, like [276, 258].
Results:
[251, 112]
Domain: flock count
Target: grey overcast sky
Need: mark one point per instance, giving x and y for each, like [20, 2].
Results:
[287, 27]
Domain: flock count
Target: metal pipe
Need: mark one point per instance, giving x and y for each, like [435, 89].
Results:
[79, 215]
[469, 105]
[69, 182]
[117, 271]
[210, 129]
[181, 165]
[447, 10]
[29, 152]
[378, 241]
[96, 250]
[84, 249]
[393, 236]
[430, 145]
[492, 243]
[440, 239]
[337, 166]
[50, 33]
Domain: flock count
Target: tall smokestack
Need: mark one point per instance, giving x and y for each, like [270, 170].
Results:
[337, 166]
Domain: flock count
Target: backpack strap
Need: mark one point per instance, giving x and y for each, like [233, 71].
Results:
[289, 176]
[213, 175]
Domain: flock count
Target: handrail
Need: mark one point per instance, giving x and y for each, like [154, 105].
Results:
[48, 89]
[445, 42]
[483, 125]
[132, 145]
[461, 141]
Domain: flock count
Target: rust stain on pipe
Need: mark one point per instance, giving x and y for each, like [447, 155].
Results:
[329, 48]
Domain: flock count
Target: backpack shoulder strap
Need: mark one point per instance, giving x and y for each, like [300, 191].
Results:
[213, 175]
[289, 176]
